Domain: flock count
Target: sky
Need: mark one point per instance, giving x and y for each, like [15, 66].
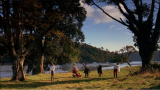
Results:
[102, 31]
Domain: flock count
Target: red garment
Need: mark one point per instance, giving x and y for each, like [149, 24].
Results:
[79, 75]
[74, 71]
[115, 71]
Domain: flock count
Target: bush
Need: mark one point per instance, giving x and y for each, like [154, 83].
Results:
[152, 68]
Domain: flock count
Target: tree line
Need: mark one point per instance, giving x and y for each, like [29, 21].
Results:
[90, 54]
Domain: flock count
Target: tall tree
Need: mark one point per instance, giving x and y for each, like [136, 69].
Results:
[12, 33]
[141, 21]
[69, 26]
[21, 19]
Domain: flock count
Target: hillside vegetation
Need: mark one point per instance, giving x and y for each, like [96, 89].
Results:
[93, 54]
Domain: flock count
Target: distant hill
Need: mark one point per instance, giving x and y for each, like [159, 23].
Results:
[136, 57]
[94, 54]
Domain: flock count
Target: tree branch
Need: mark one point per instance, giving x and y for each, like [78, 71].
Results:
[157, 2]
[34, 42]
[109, 15]
[3, 42]
[127, 16]
[136, 3]
[131, 14]
[133, 28]
[156, 33]
[152, 11]
[123, 21]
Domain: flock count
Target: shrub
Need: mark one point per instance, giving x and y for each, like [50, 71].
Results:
[153, 68]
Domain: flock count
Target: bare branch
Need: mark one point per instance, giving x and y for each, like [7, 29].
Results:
[156, 32]
[123, 21]
[109, 15]
[133, 28]
[127, 16]
[138, 5]
[152, 11]
[39, 36]
[158, 19]
[157, 2]
[131, 14]
[141, 2]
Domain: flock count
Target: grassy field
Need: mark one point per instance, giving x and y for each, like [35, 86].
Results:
[106, 81]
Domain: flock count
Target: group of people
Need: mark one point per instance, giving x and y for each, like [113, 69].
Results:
[75, 70]
[86, 70]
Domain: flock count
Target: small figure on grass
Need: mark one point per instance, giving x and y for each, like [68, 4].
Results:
[116, 70]
[86, 70]
[52, 68]
[75, 71]
[99, 69]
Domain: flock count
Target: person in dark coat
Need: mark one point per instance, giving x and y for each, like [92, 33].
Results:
[86, 70]
[99, 69]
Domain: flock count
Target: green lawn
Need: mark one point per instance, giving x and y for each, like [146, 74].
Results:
[66, 81]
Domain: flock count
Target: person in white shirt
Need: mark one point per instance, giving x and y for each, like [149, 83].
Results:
[116, 69]
[52, 68]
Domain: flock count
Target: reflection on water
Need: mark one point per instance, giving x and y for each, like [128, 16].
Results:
[6, 70]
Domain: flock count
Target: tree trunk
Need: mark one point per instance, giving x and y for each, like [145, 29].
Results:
[129, 64]
[17, 67]
[146, 55]
[40, 69]
[128, 60]
[41, 51]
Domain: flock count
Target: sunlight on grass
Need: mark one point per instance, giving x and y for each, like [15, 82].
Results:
[106, 81]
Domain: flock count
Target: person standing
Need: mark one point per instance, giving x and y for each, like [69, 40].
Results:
[86, 70]
[99, 69]
[52, 68]
[116, 69]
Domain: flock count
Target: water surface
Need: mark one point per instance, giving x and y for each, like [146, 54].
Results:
[6, 70]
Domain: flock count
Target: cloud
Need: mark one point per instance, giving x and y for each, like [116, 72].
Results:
[111, 10]
[129, 33]
[112, 26]
[121, 28]
[99, 16]
[90, 10]
[88, 26]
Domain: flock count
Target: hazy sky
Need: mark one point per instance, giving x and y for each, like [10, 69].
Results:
[102, 31]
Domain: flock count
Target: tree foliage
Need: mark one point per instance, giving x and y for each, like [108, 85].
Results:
[25, 23]
[126, 52]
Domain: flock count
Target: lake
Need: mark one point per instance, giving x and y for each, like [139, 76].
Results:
[6, 70]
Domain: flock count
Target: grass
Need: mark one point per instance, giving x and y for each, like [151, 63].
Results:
[125, 80]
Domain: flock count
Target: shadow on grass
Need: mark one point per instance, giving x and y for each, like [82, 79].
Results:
[123, 79]
[155, 87]
[28, 84]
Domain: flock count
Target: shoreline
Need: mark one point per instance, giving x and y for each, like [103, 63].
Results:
[6, 69]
